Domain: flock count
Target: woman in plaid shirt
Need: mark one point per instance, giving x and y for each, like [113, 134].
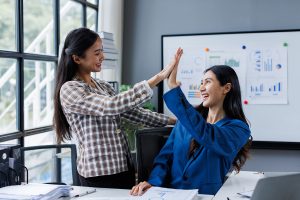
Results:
[91, 111]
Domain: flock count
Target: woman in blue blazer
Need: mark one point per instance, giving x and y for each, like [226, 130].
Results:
[207, 140]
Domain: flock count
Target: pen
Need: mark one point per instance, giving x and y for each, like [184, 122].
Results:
[258, 173]
[85, 193]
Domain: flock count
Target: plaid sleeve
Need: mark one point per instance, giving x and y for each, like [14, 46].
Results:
[146, 117]
[77, 98]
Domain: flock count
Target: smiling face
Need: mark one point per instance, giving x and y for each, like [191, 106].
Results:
[92, 59]
[212, 93]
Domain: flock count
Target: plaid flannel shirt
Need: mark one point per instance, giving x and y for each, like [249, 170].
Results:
[94, 116]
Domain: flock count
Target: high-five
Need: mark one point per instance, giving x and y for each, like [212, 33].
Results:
[165, 73]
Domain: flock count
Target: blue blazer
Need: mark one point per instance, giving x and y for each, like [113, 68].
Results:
[206, 169]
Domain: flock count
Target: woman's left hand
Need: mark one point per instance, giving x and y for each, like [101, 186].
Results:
[172, 82]
[172, 121]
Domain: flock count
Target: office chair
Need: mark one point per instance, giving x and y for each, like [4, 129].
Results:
[19, 154]
[115, 85]
[148, 144]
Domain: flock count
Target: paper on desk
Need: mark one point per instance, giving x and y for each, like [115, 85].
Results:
[169, 194]
[14, 197]
[34, 192]
[204, 197]
[154, 193]
[108, 198]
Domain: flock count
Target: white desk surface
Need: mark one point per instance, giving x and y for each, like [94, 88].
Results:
[116, 194]
[241, 182]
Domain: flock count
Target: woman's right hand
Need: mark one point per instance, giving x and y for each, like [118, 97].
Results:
[165, 73]
[172, 81]
[140, 188]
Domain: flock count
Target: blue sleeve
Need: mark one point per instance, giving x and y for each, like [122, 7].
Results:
[162, 163]
[224, 140]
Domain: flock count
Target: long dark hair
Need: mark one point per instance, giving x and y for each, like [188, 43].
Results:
[232, 106]
[76, 43]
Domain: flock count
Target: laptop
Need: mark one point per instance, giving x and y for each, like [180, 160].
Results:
[282, 187]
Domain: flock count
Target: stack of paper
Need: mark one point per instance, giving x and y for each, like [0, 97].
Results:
[34, 191]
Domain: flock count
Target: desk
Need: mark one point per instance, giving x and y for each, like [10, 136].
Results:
[241, 182]
[115, 194]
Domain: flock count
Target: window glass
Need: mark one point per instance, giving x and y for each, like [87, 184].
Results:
[41, 162]
[10, 142]
[71, 17]
[40, 139]
[91, 18]
[93, 1]
[8, 25]
[38, 93]
[41, 165]
[38, 26]
[66, 167]
[8, 105]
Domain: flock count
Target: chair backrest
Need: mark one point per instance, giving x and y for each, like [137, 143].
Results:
[148, 144]
[72, 154]
[6, 173]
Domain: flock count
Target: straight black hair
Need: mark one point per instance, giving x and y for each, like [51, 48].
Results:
[76, 43]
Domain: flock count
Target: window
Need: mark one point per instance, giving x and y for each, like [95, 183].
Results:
[71, 17]
[31, 32]
[39, 26]
[8, 95]
[40, 163]
[91, 18]
[38, 93]
[7, 25]
[10, 142]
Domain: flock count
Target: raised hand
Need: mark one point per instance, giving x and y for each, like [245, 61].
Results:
[172, 82]
[165, 73]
